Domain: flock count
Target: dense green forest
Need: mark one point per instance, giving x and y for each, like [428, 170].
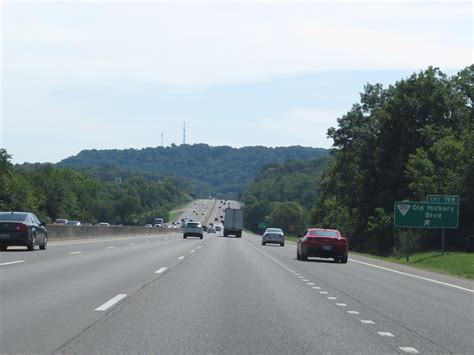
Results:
[414, 138]
[218, 171]
[282, 194]
[52, 192]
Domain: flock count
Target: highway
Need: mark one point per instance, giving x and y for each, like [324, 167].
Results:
[165, 294]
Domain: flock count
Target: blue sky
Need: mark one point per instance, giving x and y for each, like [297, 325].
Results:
[85, 75]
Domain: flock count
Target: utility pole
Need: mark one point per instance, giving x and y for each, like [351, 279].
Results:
[161, 138]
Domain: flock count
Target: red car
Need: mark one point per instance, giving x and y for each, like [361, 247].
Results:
[323, 243]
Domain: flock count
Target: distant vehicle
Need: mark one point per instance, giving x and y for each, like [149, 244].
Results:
[193, 229]
[211, 230]
[158, 220]
[104, 224]
[60, 221]
[273, 230]
[204, 228]
[73, 223]
[323, 243]
[148, 225]
[218, 228]
[22, 229]
[233, 222]
[158, 225]
[216, 219]
[273, 236]
[87, 224]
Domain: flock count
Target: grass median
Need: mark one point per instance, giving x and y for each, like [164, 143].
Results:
[174, 215]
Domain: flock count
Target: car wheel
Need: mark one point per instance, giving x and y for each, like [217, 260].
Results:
[263, 243]
[298, 255]
[337, 259]
[3, 247]
[45, 243]
[344, 260]
[282, 244]
[200, 237]
[184, 237]
[31, 243]
[304, 257]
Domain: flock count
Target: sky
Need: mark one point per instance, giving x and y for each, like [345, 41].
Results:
[118, 74]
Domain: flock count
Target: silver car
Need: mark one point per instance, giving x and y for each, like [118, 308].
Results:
[273, 236]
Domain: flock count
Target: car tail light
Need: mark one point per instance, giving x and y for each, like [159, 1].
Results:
[22, 228]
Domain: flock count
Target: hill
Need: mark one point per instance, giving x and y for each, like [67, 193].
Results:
[223, 171]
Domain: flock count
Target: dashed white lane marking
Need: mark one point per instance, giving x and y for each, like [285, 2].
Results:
[181, 258]
[199, 247]
[341, 304]
[411, 275]
[300, 277]
[110, 302]
[316, 287]
[161, 270]
[386, 334]
[366, 321]
[13, 262]
[75, 252]
[332, 298]
[353, 312]
[131, 244]
[304, 280]
[323, 292]
[310, 283]
[408, 349]
[111, 247]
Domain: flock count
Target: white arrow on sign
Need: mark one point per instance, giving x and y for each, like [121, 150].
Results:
[403, 209]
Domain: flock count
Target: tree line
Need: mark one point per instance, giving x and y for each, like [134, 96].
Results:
[52, 192]
[414, 138]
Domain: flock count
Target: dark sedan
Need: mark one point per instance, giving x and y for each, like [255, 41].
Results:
[22, 229]
[323, 243]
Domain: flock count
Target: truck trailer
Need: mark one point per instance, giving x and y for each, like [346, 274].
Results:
[233, 222]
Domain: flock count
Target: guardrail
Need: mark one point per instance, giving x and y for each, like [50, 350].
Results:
[60, 232]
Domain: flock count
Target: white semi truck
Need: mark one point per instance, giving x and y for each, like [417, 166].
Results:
[233, 222]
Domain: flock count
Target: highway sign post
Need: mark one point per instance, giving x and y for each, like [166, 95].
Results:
[440, 211]
[443, 199]
[426, 214]
[262, 225]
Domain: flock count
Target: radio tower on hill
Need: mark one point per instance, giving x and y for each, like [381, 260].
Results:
[184, 133]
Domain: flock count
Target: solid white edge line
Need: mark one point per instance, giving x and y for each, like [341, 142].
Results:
[411, 275]
[13, 262]
[110, 302]
[161, 270]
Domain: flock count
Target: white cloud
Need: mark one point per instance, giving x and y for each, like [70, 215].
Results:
[182, 44]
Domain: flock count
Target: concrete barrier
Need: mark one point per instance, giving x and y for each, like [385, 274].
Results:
[60, 232]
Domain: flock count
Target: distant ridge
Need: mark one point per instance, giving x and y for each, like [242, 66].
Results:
[222, 170]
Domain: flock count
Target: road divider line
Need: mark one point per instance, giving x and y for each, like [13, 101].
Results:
[13, 262]
[192, 251]
[366, 321]
[111, 247]
[181, 257]
[110, 302]
[323, 292]
[408, 349]
[386, 334]
[332, 298]
[316, 288]
[341, 304]
[161, 270]
[353, 312]
[75, 252]
[411, 275]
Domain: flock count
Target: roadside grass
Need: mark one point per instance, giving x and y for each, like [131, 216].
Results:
[451, 263]
[174, 215]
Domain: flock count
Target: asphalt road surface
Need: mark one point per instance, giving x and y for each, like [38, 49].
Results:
[166, 294]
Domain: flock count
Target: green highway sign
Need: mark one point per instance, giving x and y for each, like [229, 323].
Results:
[426, 214]
[262, 225]
[443, 198]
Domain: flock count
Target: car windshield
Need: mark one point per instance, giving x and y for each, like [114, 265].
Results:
[319, 233]
[17, 217]
[192, 225]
